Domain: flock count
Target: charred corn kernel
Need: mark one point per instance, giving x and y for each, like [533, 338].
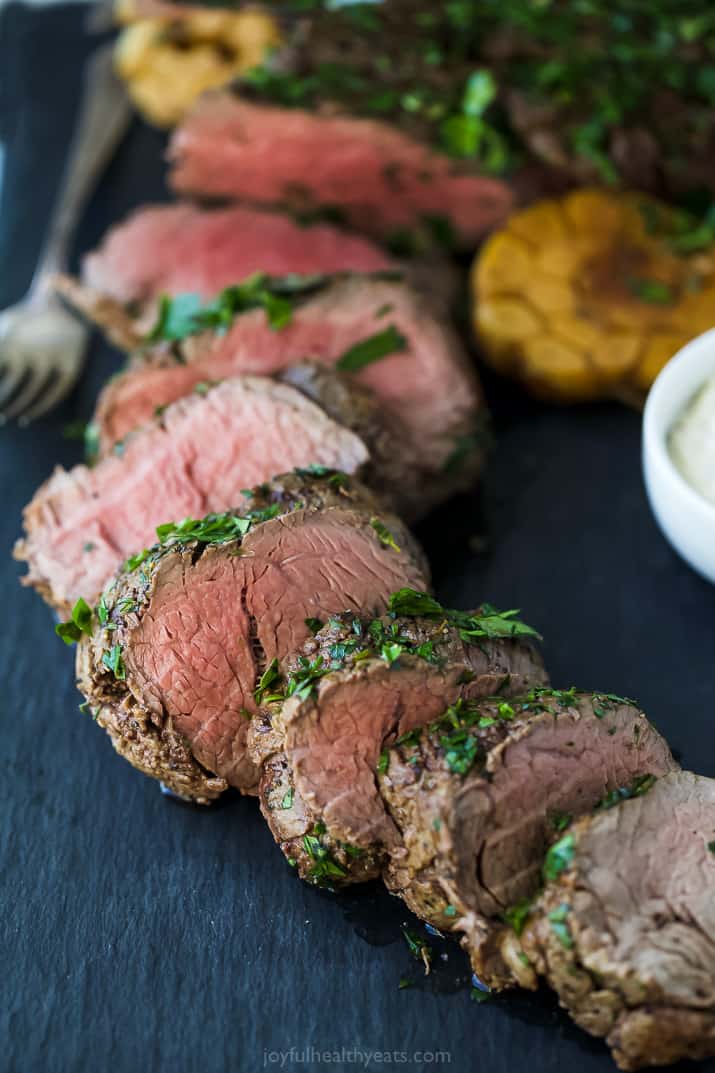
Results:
[588, 296]
[168, 62]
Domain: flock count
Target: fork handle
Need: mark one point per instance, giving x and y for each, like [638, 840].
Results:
[104, 117]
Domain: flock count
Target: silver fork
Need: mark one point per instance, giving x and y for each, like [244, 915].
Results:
[42, 345]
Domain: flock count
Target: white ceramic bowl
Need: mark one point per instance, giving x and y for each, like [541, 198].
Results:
[687, 520]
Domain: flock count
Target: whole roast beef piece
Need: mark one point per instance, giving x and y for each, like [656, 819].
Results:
[358, 685]
[380, 331]
[625, 928]
[172, 249]
[478, 794]
[194, 458]
[381, 180]
[188, 639]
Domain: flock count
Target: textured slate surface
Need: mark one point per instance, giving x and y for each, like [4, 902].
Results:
[138, 934]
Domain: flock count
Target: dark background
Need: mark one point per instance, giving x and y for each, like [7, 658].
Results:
[139, 934]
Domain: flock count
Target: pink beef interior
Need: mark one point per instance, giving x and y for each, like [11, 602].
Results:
[180, 248]
[381, 178]
[655, 920]
[333, 745]
[562, 765]
[192, 655]
[427, 388]
[83, 523]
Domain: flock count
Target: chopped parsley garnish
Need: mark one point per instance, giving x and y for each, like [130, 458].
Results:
[418, 947]
[270, 678]
[480, 994]
[315, 469]
[460, 74]
[640, 785]
[560, 820]
[711, 847]
[314, 624]
[486, 623]
[113, 661]
[80, 622]
[324, 867]
[305, 678]
[384, 535]
[214, 528]
[136, 560]
[461, 745]
[410, 737]
[391, 652]
[91, 442]
[559, 857]
[186, 314]
[565, 697]
[287, 800]
[517, 915]
[375, 347]
[102, 611]
[557, 918]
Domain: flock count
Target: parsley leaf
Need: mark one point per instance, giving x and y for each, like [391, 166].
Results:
[80, 622]
[486, 623]
[113, 661]
[517, 915]
[557, 918]
[270, 677]
[384, 534]
[186, 314]
[375, 347]
[640, 785]
[324, 867]
[559, 857]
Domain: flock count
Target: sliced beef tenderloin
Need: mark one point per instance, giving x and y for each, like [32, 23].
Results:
[477, 796]
[198, 627]
[196, 457]
[382, 180]
[382, 333]
[356, 687]
[625, 928]
[174, 249]
[149, 744]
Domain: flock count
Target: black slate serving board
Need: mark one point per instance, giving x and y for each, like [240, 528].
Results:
[139, 934]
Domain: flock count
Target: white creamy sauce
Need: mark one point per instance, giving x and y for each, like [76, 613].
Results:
[692, 441]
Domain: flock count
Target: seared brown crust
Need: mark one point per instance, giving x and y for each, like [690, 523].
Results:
[633, 959]
[150, 744]
[444, 870]
[140, 728]
[117, 323]
[348, 645]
